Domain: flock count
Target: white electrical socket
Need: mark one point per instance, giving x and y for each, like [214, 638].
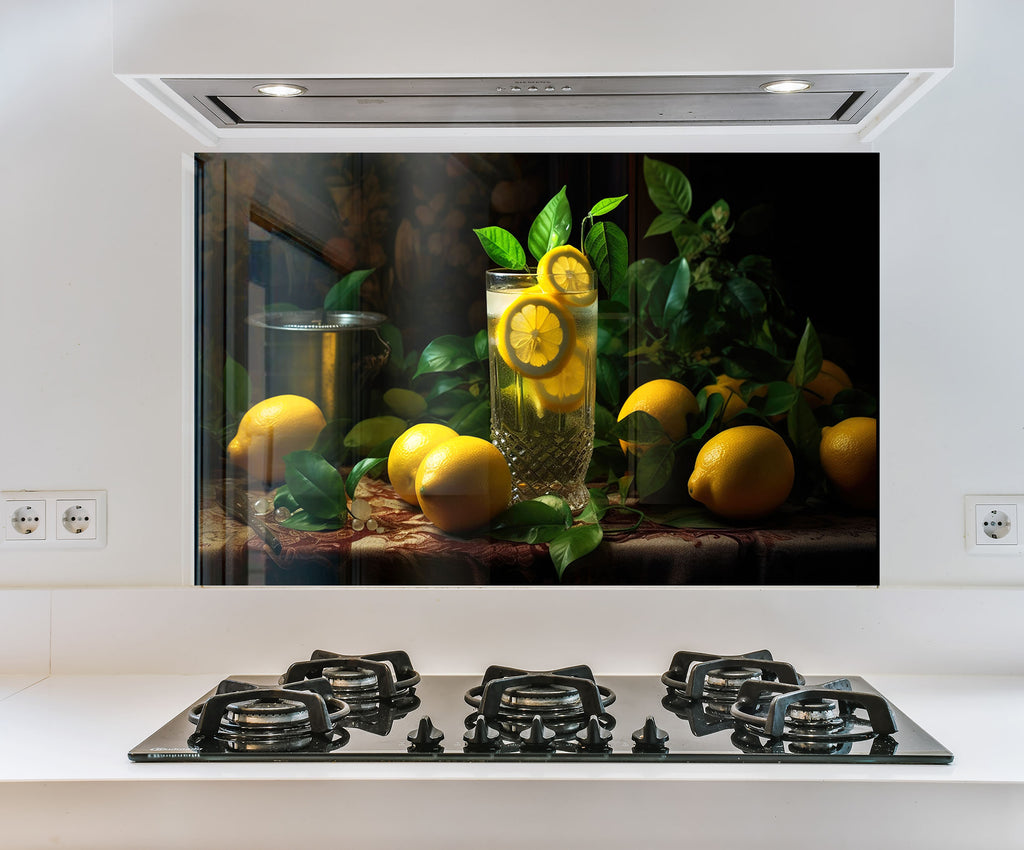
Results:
[25, 519]
[76, 519]
[991, 525]
[54, 519]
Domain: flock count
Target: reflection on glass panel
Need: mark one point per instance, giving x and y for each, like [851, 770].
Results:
[674, 382]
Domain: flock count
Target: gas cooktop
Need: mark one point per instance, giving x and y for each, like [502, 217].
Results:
[704, 708]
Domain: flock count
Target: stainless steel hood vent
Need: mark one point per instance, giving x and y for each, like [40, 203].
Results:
[539, 74]
[643, 101]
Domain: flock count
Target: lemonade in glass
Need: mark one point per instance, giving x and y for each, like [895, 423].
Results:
[542, 334]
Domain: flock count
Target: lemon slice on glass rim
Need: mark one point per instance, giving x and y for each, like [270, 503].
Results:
[536, 335]
[566, 273]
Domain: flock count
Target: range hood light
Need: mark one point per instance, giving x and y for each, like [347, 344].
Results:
[280, 89]
[786, 86]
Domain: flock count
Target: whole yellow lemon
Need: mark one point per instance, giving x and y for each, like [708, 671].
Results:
[743, 473]
[849, 458]
[271, 429]
[667, 401]
[407, 453]
[463, 483]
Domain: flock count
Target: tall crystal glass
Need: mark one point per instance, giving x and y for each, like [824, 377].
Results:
[544, 423]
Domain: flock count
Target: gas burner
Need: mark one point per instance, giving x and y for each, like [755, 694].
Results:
[811, 718]
[563, 699]
[243, 717]
[364, 681]
[717, 679]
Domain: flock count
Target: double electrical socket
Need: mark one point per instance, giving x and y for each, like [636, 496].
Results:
[991, 525]
[56, 519]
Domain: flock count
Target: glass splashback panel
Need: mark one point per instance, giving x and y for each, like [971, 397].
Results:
[343, 347]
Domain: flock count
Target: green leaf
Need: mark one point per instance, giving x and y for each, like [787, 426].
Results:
[596, 507]
[608, 249]
[473, 418]
[678, 274]
[689, 246]
[668, 186]
[572, 544]
[654, 469]
[480, 345]
[713, 405]
[443, 385]
[749, 295]
[605, 206]
[330, 440]
[808, 357]
[639, 427]
[665, 223]
[446, 354]
[304, 521]
[283, 498]
[641, 277]
[686, 517]
[551, 227]
[448, 404]
[720, 212]
[532, 521]
[502, 247]
[344, 295]
[367, 466]
[393, 337]
[804, 432]
[316, 486]
[781, 396]
[237, 388]
[370, 433]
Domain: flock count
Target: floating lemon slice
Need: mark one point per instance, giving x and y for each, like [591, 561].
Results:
[564, 392]
[535, 335]
[565, 272]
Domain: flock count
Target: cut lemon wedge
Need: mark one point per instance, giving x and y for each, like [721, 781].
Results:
[564, 392]
[535, 335]
[566, 273]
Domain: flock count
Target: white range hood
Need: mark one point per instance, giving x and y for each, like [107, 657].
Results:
[669, 68]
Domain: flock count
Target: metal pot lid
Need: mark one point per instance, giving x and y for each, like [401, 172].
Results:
[317, 320]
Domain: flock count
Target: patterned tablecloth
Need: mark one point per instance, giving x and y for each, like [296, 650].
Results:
[799, 548]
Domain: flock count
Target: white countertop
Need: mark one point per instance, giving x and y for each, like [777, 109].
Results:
[62, 752]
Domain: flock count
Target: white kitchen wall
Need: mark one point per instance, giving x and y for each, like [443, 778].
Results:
[91, 293]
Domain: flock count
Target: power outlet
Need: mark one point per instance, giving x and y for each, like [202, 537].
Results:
[76, 519]
[25, 519]
[991, 525]
[54, 519]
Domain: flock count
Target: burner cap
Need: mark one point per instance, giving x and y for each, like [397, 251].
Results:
[546, 700]
[268, 714]
[729, 678]
[348, 681]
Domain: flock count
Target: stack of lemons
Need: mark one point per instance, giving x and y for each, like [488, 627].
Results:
[460, 483]
[742, 473]
[747, 471]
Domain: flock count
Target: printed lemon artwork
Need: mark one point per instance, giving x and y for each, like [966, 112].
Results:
[602, 397]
